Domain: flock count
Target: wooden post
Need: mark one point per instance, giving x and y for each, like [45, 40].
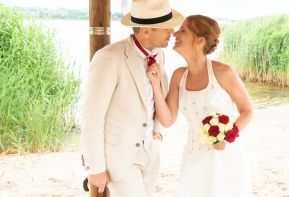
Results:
[94, 192]
[99, 30]
[99, 21]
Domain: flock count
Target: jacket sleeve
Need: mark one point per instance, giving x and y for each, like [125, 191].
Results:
[98, 91]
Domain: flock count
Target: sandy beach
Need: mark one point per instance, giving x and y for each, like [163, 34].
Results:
[61, 174]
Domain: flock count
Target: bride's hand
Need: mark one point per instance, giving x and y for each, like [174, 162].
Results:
[154, 74]
[220, 145]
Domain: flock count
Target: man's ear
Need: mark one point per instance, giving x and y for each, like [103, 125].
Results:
[145, 31]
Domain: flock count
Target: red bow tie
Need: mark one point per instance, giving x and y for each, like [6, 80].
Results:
[150, 58]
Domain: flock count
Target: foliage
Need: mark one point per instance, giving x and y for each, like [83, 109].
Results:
[38, 89]
[62, 13]
[259, 48]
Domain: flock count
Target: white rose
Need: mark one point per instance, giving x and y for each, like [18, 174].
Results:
[203, 138]
[206, 127]
[212, 139]
[202, 135]
[214, 121]
[221, 136]
[222, 127]
[229, 126]
[214, 115]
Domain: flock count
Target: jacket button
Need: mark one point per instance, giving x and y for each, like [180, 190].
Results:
[137, 144]
[144, 124]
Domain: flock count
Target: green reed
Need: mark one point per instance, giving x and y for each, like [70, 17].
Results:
[38, 89]
[259, 49]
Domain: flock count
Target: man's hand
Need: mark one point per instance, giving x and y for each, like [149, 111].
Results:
[99, 180]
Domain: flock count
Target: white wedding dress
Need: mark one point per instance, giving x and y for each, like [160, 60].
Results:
[205, 171]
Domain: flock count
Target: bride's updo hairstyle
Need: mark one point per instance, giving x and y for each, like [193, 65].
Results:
[203, 26]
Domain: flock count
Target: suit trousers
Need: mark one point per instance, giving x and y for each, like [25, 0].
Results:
[142, 176]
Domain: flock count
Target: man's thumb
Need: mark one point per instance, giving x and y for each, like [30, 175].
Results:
[101, 189]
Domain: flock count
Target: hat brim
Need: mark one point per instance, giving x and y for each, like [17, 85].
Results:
[176, 20]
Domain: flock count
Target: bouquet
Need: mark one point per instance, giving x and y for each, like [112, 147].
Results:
[217, 128]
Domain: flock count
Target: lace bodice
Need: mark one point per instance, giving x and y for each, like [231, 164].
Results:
[196, 105]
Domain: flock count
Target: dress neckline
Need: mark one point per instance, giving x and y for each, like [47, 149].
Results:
[209, 72]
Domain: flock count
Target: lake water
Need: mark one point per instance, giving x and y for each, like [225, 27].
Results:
[73, 36]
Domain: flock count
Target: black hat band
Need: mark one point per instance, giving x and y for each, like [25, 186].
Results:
[149, 21]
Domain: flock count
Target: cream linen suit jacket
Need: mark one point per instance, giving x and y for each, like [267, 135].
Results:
[114, 115]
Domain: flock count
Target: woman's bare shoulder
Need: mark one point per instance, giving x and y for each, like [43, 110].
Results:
[179, 71]
[222, 69]
[178, 74]
[220, 66]
[225, 75]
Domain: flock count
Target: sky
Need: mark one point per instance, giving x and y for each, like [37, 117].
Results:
[52, 4]
[230, 9]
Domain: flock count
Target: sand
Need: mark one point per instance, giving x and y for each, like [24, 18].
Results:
[61, 174]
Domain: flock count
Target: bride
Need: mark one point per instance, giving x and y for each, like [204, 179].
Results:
[197, 90]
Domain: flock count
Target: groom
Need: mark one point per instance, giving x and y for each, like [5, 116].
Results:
[118, 142]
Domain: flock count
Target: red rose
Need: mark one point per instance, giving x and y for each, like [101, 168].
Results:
[207, 120]
[223, 119]
[231, 136]
[235, 127]
[214, 131]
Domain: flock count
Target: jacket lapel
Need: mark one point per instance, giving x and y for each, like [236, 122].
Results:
[135, 66]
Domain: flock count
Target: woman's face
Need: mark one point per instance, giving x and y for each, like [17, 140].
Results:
[184, 39]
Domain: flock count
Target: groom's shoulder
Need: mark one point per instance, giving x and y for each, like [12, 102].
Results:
[110, 52]
[113, 47]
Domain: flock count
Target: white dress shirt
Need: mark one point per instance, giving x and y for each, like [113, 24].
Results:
[149, 91]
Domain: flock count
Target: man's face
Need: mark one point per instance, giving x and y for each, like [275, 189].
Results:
[160, 37]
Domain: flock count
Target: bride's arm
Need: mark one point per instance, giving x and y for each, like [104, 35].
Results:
[232, 83]
[166, 110]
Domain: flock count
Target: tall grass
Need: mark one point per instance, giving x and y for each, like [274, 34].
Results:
[37, 87]
[259, 48]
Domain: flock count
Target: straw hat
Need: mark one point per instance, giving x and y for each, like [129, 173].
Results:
[152, 13]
